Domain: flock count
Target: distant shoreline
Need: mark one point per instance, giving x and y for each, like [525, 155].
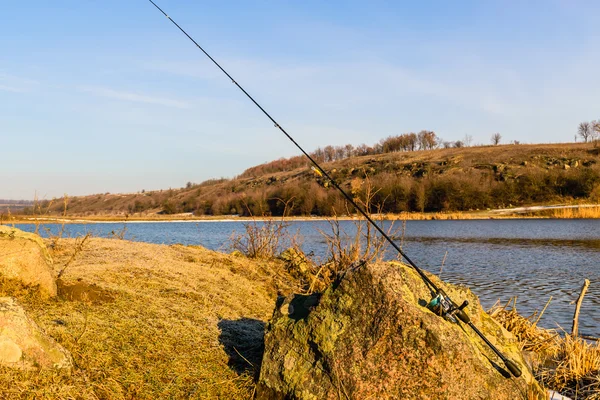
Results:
[582, 211]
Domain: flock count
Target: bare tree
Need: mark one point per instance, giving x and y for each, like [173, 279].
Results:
[596, 128]
[349, 150]
[427, 140]
[329, 153]
[585, 130]
[411, 141]
[468, 140]
[496, 137]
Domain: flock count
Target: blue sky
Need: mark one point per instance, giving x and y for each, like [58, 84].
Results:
[108, 96]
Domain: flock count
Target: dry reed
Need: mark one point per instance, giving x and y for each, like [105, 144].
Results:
[579, 213]
[264, 238]
[566, 364]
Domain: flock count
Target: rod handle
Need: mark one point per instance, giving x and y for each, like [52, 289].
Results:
[513, 368]
[462, 315]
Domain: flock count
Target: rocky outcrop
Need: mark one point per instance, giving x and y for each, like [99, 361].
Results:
[23, 344]
[371, 335]
[24, 256]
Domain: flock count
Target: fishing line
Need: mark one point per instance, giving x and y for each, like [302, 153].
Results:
[321, 170]
[446, 305]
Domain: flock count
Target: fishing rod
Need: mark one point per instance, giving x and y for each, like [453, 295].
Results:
[441, 304]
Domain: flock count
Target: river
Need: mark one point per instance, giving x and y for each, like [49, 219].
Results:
[532, 259]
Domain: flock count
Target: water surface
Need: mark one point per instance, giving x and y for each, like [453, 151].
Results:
[498, 259]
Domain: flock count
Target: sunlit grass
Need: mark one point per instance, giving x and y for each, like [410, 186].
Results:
[144, 322]
[561, 362]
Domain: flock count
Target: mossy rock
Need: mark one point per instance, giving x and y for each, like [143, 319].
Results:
[24, 345]
[370, 335]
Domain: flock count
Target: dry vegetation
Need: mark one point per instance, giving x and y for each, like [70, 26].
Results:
[149, 321]
[563, 363]
[449, 181]
[587, 212]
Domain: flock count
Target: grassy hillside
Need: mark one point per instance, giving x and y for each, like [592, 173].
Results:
[439, 180]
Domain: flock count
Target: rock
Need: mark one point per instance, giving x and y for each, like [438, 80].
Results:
[370, 335]
[295, 261]
[24, 256]
[24, 345]
[301, 268]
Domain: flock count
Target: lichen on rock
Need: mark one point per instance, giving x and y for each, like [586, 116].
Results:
[24, 345]
[370, 335]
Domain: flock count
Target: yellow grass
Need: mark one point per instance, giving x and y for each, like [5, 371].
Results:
[568, 365]
[409, 216]
[146, 321]
[586, 212]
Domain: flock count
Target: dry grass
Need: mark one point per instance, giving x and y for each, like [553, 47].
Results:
[147, 321]
[568, 365]
[565, 213]
[264, 237]
[366, 244]
[419, 216]
[582, 212]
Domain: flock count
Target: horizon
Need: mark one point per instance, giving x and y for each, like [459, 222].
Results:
[112, 98]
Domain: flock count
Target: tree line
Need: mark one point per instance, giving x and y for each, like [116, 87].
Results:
[472, 190]
[424, 140]
[589, 131]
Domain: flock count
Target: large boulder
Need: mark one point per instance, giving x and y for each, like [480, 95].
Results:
[371, 335]
[24, 256]
[23, 344]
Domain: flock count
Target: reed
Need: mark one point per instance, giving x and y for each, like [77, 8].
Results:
[566, 364]
[581, 212]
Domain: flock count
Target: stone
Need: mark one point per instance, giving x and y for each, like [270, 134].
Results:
[24, 345]
[24, 256]
[371, 335]
[499, 168]
[297, 264]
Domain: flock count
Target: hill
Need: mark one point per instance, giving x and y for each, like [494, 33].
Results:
[437, 180]
[14, 205]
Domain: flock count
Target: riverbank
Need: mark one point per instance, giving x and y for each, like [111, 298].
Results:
[149, 321]
[569, 211]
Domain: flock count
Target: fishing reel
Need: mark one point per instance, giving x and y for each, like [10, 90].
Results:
[443, 306]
